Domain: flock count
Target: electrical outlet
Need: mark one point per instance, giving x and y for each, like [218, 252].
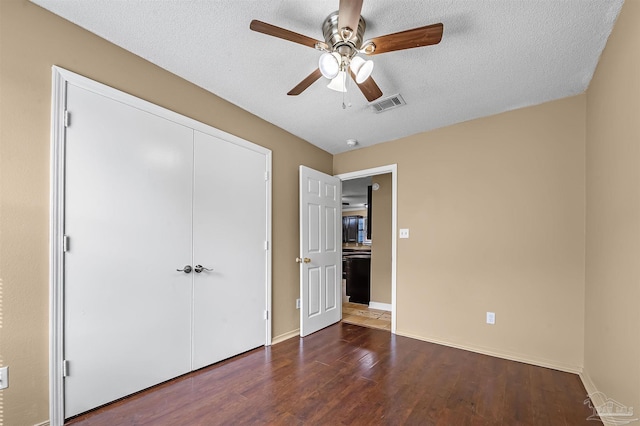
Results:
[491, 318]
[4, 377]
[404, 233]
[297, 303]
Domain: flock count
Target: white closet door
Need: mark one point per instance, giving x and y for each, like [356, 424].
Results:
[128, 218]
[229, 231]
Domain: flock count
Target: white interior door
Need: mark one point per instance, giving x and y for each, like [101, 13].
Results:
[127, 316]
[320, 250]
[229, 231]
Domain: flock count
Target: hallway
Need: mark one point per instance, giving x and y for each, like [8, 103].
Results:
[359, 314]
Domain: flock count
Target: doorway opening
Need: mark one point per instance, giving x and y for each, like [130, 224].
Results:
[369, 206]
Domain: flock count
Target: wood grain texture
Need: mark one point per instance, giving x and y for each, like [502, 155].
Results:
[369, 87]
[349, 375]
[416, 37]
[304, 84]
[272, 30]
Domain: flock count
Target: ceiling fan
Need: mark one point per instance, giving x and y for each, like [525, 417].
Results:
[343, 32]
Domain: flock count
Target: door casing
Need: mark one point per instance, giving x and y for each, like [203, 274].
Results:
[393, 169]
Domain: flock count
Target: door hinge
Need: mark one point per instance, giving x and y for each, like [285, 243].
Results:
[65, 243]
[266, 176]
[266, 314]
[67, 118]
[266, 245]
[65, 368]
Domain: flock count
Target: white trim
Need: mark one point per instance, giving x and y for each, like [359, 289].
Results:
[120, 96]
[286, 336]
[589, 386]
[269, 251]
[45, 423]
[60, 80]
[596, 396]
[393, 169]
[56, 255]
[381, 306]
[500, 354]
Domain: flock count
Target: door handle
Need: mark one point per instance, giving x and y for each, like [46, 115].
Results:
[187, 269]
[200, 268]
[305, 260]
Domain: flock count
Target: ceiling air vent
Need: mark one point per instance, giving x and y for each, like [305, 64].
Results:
[387, 103]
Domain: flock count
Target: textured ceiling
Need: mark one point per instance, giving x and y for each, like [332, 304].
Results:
[495, 56]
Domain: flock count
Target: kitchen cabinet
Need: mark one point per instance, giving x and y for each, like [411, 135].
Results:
[350, 227]
[357, 268]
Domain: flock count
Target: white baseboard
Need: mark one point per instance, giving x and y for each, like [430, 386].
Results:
[285, 336]
[43, 423]
[599, 403]
[380, 305]
[500, 354]
[588, 383]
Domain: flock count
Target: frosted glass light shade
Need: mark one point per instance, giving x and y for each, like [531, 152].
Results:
[329, 64]
[337, 83]
[361, 68]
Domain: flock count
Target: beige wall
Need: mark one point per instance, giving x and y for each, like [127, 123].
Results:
[362, 213]
[32, 40]
[612, 317]
[495, 209]
[381, 240]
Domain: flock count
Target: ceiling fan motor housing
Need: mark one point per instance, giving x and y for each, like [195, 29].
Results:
[333, 36]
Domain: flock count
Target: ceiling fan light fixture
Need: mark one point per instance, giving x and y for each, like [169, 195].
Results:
[329, 64]
[338, 83]
[361, 68]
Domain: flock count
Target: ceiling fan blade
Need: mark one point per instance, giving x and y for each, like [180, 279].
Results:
[417, 37]
[272, 30]
[308, 81]
[369, 88]
[349, 14]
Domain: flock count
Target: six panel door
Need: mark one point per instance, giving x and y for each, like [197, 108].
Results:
[320, 250]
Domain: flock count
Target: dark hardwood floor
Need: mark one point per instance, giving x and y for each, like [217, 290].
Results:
[346, 374]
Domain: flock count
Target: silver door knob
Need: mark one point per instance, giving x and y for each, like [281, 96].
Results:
[187, 269]
[200, 268]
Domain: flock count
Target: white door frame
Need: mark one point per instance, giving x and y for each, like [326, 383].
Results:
[60, 79]
[393, 169]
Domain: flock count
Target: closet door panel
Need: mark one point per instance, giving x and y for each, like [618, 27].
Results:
[128, 207]
[230, 230]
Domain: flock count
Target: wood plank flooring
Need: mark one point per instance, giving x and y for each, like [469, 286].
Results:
[351, 375]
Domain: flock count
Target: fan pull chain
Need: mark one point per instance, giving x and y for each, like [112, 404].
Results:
[348, 88]
[344, 84]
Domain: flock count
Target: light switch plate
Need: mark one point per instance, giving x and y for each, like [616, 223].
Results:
[404, 233]
[491, 318]
[4, 377]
